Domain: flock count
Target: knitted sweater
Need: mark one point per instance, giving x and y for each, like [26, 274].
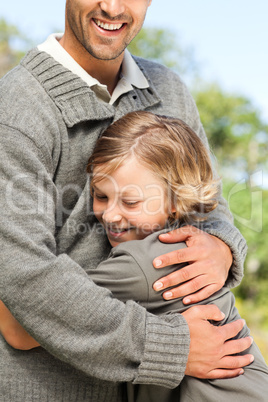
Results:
[91, 342]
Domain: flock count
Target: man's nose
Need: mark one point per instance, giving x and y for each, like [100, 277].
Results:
[113, 8]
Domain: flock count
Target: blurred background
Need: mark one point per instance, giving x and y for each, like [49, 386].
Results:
[218, 48]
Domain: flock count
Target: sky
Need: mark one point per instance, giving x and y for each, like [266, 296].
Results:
[229, 37]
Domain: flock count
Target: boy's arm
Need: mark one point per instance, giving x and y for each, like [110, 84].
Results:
[13, 332]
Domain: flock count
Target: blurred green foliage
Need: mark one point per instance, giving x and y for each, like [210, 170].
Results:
[239, 139]
[236, 132]
[249, 206]
[162, 46]
[12, 46]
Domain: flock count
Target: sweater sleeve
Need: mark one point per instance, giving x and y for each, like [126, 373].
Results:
[53, 297]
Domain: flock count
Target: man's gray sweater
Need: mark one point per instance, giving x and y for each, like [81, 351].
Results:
[91, 342]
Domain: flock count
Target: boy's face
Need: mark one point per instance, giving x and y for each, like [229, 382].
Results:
[130, 203]
[104, 28]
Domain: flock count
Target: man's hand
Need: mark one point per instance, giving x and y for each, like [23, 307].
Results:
[209, 261]
[211, 350]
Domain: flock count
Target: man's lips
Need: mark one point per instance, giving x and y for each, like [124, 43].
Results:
[108, 26]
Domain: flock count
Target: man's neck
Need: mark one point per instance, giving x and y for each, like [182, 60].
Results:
[107, 72]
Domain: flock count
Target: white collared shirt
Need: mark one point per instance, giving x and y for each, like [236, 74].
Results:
[131, 75]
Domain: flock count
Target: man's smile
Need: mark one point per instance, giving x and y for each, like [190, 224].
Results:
[108, 26]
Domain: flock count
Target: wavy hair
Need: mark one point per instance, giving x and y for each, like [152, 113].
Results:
[171, 150]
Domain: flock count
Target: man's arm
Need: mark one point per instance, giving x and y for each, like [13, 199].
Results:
[53, 298]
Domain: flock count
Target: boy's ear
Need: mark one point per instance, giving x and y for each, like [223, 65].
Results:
[173, 208]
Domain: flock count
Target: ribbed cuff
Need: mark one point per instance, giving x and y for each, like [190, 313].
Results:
[166, 351]
[231, 236]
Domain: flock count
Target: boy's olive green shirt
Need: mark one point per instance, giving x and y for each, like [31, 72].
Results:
[49, 122]
[129, 273]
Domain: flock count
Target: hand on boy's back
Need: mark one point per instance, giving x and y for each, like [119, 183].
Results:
[213, 352]
[209, 260]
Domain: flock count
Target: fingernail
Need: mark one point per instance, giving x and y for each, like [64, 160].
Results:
[241, 372]
[223, 315]
[158, 285]
[168, 295]
[157, 263]
[252, 359]
[252, 340]
[186, 301]
[164, 235]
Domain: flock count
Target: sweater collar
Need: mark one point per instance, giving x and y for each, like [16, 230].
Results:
[131, 75]
[75, 99]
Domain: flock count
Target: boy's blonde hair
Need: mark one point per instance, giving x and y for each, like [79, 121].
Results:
[170, 149]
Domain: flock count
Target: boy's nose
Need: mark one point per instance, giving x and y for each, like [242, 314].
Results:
[112, 216]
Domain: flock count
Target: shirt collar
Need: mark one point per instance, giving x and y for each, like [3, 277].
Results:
[131, 75]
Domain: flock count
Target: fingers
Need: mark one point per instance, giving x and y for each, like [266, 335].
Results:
[198, 296]
[213, 351]
[230, 330]
[226, 332]
[192, 281]
[236, 346]
[231, 366]
[178, 256]
[179, 277]
[207, 312]
[221, 373]
[178, 235]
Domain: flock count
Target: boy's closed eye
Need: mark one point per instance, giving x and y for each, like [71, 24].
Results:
[130, 204]
[100, 197]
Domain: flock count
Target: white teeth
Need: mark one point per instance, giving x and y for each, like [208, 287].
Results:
[108, 27]
[117, 230]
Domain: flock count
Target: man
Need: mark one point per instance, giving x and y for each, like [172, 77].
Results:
[53, 108]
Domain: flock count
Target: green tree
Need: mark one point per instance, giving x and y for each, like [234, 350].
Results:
[236, 132]
[249, 204]
[13, 45]
[163, 46]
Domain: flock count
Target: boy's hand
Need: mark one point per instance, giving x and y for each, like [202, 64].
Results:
[209, 260]
[212, 354]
